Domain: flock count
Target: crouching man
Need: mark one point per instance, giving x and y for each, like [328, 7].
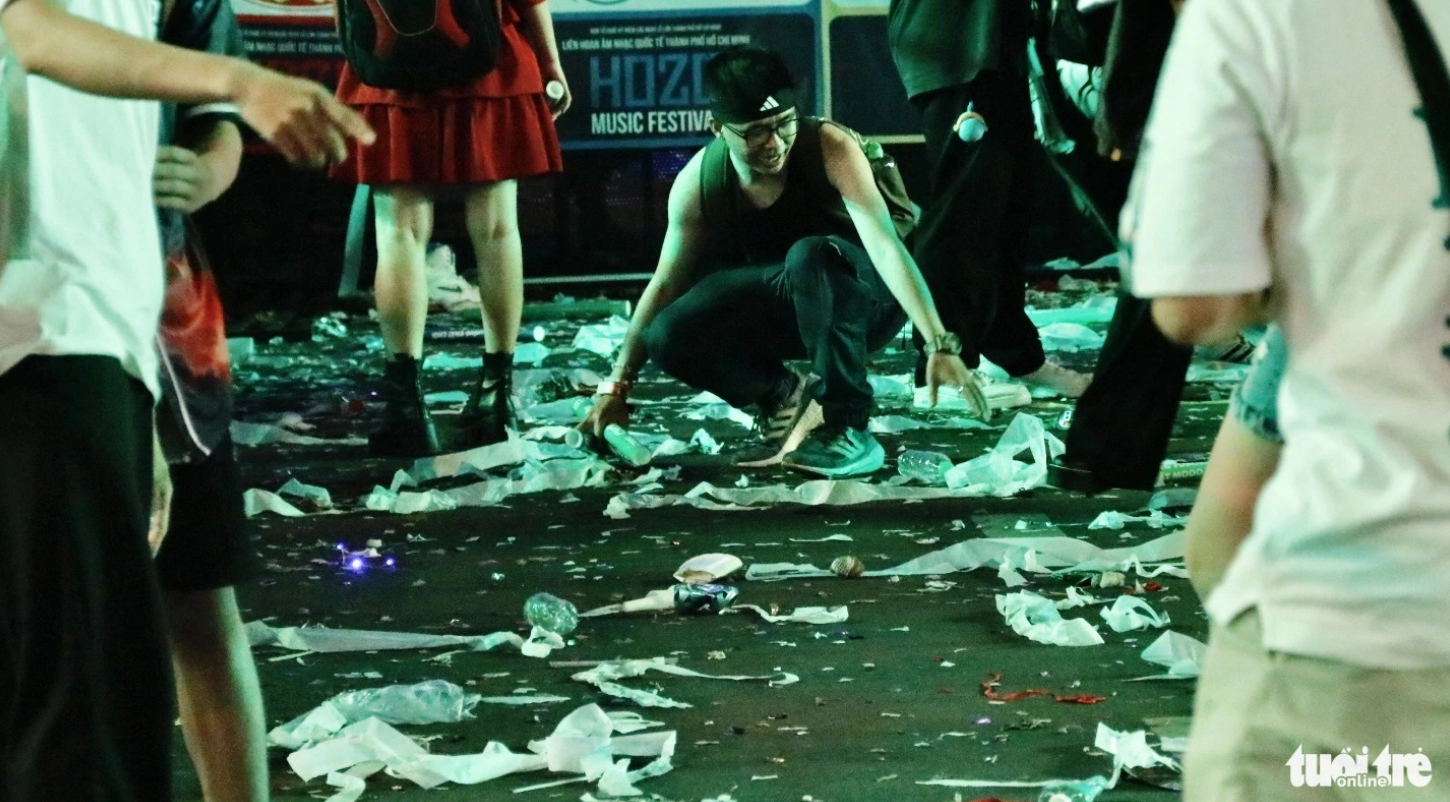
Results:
[781, 247]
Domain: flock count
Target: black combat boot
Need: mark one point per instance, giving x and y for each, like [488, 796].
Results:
[489, 413]
[407, 429]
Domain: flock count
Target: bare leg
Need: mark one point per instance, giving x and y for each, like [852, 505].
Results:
[404, 217]
[218, 695]
[1240, 465]
[492, 212]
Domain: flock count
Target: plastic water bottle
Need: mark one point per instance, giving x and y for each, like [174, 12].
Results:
[928, 467]
[1080, 791]
[972, 129]
[574, 438]
[625, 446]
[551, 613]
[1173, 498]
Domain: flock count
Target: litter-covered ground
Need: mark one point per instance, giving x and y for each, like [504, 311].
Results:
[998, 631]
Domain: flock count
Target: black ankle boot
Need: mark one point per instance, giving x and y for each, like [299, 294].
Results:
[407, 429]
[489, 413]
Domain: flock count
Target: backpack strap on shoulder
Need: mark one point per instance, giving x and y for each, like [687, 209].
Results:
[715, 182]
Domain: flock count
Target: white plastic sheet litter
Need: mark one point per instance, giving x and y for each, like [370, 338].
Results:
[255, 502]
[531, 477]
[431, 702]
[1179, 653]
[1112, 519]
[800, 615]
[327, 641]
[1033, 554]
[708, 406]
[245, 433]
[605, 677]
[514, 451]
[583, 743]
[318, 496]
[1130, 750]
[603, 339]
[1130, 613]
[1036, 618]
[996, 473]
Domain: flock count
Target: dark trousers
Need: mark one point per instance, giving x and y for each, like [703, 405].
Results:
[1121, 426]
[86, 700]
[970, 243]
[731, 332]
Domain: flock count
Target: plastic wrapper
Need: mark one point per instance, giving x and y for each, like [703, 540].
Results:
[1036, 618]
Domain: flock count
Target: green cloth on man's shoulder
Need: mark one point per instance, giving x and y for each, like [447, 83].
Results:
[942, 43]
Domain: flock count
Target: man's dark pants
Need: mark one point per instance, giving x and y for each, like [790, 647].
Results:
[970, 245]
[731, 332]
[86, 700]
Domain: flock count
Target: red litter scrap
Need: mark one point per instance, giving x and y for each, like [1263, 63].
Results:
[1082, 699]
[993, 682]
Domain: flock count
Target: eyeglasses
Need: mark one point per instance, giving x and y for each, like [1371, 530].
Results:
[761, 133]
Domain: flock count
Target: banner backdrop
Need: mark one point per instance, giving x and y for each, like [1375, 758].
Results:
[635, 66]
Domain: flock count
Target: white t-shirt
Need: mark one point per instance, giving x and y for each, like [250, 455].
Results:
[80, 257]
[1284, 150]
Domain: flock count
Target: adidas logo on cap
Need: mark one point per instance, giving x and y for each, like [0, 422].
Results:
[769, 104]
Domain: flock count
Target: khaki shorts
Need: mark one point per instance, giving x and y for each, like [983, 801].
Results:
[1256, 708]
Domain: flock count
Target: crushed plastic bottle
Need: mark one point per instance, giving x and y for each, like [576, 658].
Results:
[551, 613]
[1173, 498]
[703, 598]
[928, 467]
[431, 702]
[1079, 791]
[625, 446]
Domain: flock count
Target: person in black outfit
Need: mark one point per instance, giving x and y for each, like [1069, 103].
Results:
[781, 246]
[1121, 426]
[956, 55]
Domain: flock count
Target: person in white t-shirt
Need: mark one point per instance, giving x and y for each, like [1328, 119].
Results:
[1289, 177]
[85, 691]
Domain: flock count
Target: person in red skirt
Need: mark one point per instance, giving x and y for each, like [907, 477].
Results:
[474, 141]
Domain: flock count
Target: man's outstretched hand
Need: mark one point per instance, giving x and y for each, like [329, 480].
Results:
[302, 119]
[947, 370]
[607, 409]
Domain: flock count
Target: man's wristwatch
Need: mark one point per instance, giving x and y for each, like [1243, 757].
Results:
[946, 343]
[619, 388]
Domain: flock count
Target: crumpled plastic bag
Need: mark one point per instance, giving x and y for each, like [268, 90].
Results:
[431, 702]
[1131, 613]
[604, 676]
[255, 502]
[603, 339]
[998, 473]
[1036, 618]
[1179, 653]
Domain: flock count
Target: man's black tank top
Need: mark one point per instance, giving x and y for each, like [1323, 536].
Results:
[742, 234]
